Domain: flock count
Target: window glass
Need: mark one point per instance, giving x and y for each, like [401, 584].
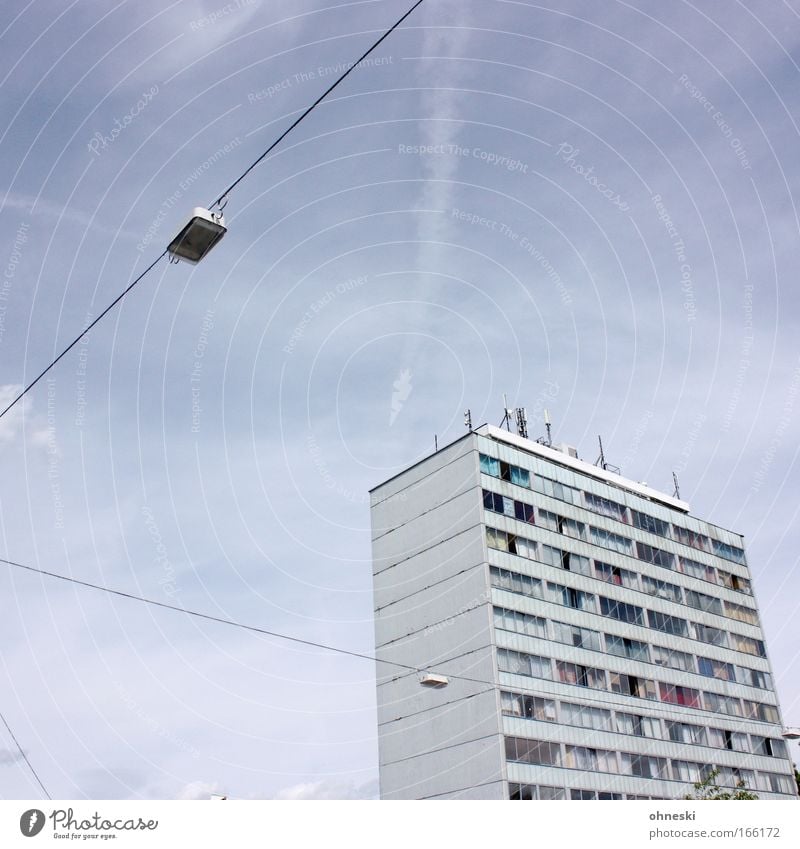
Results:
[650, 523]
[638, 726]
[631, 685]
[722, 704]
[623, 612]
[729, 552]
[521, 477]
[533, 751]
[490, 466]
[598, 719]
[521, 623]
[572, 635]
[590, 760]
[616, 575]
[606, 539]
[692, 538]
[661, 589]
[686, 771]
[529, 707]
[701, 601]
[655, 555]
[606, 507]
[707, 634]
[679, 695]
[742, 613]
[643, 766]
[696, 570]
[748, 645]
[673, 659]
[582, 676]
[667, 624]
[625, 647]
[684, 732]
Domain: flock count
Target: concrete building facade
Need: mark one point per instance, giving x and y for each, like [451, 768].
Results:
[552, 630]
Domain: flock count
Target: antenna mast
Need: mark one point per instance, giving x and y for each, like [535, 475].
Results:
[468, 419]
[677, 492]
[601, 460]
[507, 414]
[522, 422]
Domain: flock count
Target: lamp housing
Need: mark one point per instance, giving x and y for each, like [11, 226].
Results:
[197, 238]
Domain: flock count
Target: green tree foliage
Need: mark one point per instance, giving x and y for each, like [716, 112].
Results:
[708, 789]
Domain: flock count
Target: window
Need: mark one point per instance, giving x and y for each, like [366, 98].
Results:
[716, 669]
[572, 635]
[582, 676]
[490, 466]
[566, 560]
[692, 538]
[661, 589]
[687, 771]
[533, 751]
[759, 710]
[521, 477]
[679, 695]
[673, 659]
[625, 647]
[729, 552]
[504, 579]
[742, 613]
[519, 663]
[734, 582]
[623, 612]
[590, 760]
[521, 623]
[707, 634]
[774, 783]
[724, 738]
[556, 490]
[548, 520]
[667, 624]
[704, 602]
[583, 795]
[696, 570]
[608, 540]
[643, 766]
[606, 507]
[576, 563]
[769, 747]
[639, 726]
[650, 523]
[616, 575]
[529, 707]
[631, 685]
[598, 719]
[754, 677]
[655, 555]
[685, 732]
[570, 597]
[722, 704]
[532, 791]
[748, 645]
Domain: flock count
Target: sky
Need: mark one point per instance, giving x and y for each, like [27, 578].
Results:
[587, 207]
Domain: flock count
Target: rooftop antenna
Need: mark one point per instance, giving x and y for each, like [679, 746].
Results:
[547, 427]
[507, 414]
[601, 460]
[468, 419]
[677, 493]
[522, 422]
[435, 442]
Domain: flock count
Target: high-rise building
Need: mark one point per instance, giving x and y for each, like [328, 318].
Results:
[560, 632]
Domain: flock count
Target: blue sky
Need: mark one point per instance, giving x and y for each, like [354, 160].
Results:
[589, 207]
